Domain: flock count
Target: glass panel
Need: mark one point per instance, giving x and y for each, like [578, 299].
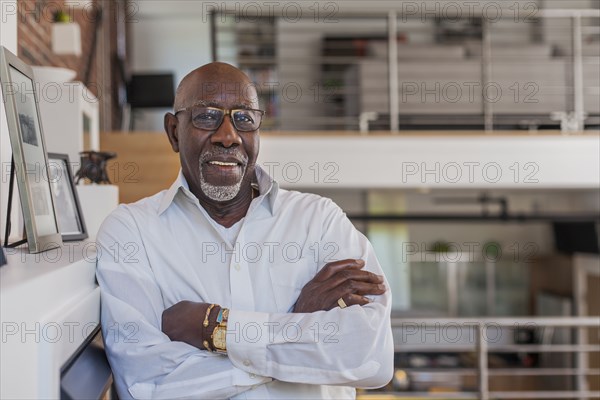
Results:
[472, 291]
[429, 289]
[512, 289]
[385, 239]
[482, 289]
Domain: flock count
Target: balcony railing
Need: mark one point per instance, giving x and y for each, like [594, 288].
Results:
[483, 337]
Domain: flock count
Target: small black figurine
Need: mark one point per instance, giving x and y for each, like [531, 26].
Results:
[93, 166]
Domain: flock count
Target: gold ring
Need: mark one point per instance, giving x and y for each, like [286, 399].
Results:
[342, 303]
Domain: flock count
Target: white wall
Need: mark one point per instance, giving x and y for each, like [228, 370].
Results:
[167, 36]
[8, 39]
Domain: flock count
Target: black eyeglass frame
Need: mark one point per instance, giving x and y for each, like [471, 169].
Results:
[225, 112]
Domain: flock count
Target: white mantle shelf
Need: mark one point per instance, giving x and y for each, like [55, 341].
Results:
[49, 304]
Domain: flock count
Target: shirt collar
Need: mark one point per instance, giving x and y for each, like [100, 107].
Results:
[267, 187]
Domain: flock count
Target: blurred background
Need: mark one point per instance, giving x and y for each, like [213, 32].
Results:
[462, 137]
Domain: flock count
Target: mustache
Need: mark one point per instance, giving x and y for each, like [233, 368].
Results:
[223, 151]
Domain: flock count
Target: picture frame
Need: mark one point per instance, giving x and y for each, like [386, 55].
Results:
[68, 209]
[29, 157]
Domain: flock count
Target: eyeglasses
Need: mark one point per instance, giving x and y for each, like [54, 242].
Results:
[211, 118]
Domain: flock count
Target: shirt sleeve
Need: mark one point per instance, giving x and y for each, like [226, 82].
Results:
[351, 346]
[144, 361]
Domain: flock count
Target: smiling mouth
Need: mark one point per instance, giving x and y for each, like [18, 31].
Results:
[224, 163]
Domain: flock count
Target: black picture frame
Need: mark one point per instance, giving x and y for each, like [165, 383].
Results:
[29, 157]
[68, 209]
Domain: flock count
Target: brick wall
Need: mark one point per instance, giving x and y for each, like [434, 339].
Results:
[34, 30]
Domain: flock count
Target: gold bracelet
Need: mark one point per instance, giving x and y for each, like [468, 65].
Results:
[205, 323]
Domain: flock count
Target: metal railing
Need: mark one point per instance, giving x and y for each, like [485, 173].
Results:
[484, 337]
[573, 120]
[316, 75]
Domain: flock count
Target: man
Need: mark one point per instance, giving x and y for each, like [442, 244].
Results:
[226, 286]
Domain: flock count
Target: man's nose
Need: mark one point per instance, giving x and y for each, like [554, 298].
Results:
[226, 135]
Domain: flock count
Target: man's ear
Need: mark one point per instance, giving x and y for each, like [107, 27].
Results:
[171, 129]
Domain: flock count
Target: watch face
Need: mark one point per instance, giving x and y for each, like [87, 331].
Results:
[219, 338]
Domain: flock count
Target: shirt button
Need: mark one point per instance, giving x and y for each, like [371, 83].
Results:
[252, 376]
[246, 363]
[237, 267]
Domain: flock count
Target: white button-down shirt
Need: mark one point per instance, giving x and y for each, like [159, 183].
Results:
[165, 248]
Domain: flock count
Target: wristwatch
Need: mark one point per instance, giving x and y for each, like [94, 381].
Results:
[219, 334]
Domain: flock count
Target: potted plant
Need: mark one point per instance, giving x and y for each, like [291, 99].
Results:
[66, 35]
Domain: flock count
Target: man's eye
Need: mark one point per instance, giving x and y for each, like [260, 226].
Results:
[206, 117]
[243, 118]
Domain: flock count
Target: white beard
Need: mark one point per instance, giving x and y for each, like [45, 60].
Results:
[220, 193]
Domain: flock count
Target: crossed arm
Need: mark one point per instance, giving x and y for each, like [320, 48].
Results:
[343, 279]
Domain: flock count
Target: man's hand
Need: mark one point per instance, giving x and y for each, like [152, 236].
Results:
[182, 322]
[337, 279]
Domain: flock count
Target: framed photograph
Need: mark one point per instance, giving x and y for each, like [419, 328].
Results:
[68, 211]
[29, 153]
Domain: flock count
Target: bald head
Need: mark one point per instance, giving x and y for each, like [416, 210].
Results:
[217, 160]
[215, 80]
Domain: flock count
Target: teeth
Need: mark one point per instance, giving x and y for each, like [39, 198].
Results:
[226, 164]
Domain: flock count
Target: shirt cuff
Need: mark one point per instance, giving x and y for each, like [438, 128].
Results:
[247, 340]
[243, 378]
